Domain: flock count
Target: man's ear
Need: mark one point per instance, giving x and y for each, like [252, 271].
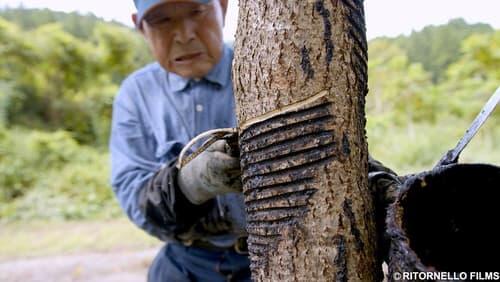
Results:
[136, 23]
[223, 4]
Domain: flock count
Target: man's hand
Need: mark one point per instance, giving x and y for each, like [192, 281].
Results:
[383, 182]
[211, 173]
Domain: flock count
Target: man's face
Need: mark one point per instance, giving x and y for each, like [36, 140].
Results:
[186, 38]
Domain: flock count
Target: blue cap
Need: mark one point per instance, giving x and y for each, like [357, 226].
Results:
[143, 6]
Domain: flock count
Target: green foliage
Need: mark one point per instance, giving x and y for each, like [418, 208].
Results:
[80, 190]
[15, 170]
[58, 76]
[120, 50]
[413, 121]
[48, 175]
[24, 153]
[472, 79]
[398, 87]
[436, 47]
[80, 26]
[52, 79]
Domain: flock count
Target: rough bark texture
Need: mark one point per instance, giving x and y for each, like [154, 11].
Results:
[445, 220]
[300, 78]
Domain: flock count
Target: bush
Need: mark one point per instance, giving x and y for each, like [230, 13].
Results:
[79, 191]
[16, 171]
[48, 175]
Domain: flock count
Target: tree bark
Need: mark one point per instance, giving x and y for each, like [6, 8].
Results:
[300, 79]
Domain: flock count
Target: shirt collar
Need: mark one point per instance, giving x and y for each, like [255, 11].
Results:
[177, 82]
[220, 73]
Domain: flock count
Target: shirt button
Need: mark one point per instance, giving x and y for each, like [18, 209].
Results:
[199, 108]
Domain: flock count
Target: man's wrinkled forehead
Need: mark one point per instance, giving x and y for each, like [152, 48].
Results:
[143, 6]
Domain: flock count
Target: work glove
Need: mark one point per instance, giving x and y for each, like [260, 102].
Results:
[384, 184]
[213, 172]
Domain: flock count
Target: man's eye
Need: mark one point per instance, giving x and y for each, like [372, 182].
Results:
[197, 12]
[156, 21]
[164, 20]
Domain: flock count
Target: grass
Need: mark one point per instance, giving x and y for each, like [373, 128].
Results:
[44, 238]
[418, 147]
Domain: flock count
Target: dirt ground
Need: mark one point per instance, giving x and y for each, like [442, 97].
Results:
[90, 267]
[117, 266]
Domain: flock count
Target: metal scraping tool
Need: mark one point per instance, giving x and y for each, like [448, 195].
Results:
[452, 155]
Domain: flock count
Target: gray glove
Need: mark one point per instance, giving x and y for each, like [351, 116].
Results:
[211, 173]
[383, 182]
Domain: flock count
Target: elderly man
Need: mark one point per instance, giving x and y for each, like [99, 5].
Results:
[198, 209]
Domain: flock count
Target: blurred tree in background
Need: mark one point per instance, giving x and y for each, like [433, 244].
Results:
[58, 76]
[51, 79]
[59, 73]
[81, 27]
[436, 47]
[413, 120]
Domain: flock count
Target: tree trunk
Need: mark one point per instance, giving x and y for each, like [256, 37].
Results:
[300, 78]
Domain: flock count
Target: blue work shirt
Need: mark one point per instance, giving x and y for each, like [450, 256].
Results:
[155, 114]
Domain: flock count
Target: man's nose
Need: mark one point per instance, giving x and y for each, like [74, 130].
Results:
[184, 31]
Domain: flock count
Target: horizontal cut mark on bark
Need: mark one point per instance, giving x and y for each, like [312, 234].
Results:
[288, 199]
[257, 263]
[270, 228]
[264, 236]
[276, 214]
[272, 190]
[273, 224]
[286, 175]
[282, 154]
[262, 240]
[309, 102]
[288, 162]
[288, 132]
[259, 248]
[261, 182]
[317, 111]
[288, 147]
